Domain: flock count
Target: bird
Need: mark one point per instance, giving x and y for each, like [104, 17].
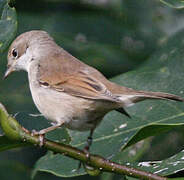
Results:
[67, 91]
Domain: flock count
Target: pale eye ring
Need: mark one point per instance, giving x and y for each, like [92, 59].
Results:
[14, 53]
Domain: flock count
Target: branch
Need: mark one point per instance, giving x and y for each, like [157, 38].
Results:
[15, 131]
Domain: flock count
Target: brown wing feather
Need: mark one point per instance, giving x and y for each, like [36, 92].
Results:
[69, 75]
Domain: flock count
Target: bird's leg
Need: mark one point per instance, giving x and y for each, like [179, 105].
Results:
[87, 147]
[88, 143]
[42, 132]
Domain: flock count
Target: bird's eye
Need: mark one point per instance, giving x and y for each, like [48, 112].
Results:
[14, 53]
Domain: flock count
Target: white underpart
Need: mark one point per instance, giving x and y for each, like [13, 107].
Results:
[127, 100]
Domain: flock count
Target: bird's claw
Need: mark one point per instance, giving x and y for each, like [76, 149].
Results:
[40, 135]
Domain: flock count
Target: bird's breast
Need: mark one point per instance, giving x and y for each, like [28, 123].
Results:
[75, 112]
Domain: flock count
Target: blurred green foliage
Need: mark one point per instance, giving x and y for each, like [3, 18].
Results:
[115, 36]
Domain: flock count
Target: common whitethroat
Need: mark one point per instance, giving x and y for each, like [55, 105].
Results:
[67, 91]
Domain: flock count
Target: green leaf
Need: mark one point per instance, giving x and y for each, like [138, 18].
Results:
[179, 4]
[163, 72]
[152, 130]
[58, 165]
[165, 167]
[60, 134]
[8, 24]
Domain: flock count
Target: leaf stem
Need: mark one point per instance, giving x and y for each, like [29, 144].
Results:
[15, 131]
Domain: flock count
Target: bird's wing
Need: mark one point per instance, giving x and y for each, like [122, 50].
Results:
[63, 72]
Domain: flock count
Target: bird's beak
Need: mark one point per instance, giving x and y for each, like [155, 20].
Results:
[8, 72]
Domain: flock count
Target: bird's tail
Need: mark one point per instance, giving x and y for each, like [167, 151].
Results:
[136, 96]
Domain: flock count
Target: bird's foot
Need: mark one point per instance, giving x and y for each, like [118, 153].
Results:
[41, 135]
[42, 132]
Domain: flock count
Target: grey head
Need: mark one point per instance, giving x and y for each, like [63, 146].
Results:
[26, 47]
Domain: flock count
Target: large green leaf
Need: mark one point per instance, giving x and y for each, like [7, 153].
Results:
[58, 165]
[163, 72]
[164, 167]
[8, 24]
